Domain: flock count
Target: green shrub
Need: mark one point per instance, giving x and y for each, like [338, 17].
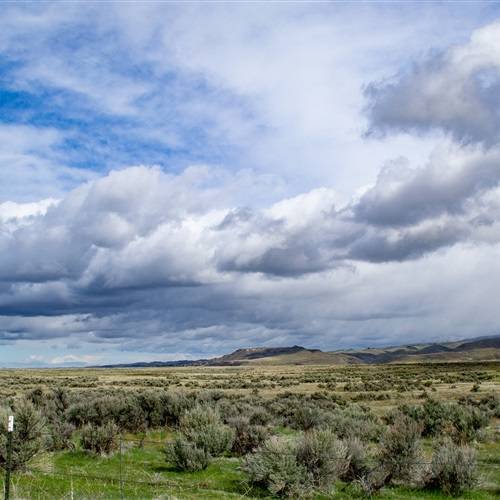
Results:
[432, 415]
[400, 450]
[247, 437]
[215, 439]
[152, 410]
[125, 411]
[60, 399]
[372, 482]
[36, 396]
[174, 406]
[466, 423]
[102, 440]
[59, 437]
[260, 416]
[354, 422]
[358, 460]
[197, 419]
[307, 417]
[323, 456]
[27, 438]
[202, 426]
[453, 469]
[186, 456]
[461, 422]
[274, 466]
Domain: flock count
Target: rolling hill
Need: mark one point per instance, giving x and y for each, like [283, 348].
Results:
[480, 349]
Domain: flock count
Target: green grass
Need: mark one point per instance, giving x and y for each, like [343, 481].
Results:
[146, 475]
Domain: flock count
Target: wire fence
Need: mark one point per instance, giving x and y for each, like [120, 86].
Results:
[126, 475]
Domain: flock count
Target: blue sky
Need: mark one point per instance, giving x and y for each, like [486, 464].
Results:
[182, 179]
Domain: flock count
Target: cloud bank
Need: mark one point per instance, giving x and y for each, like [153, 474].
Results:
[143, 258]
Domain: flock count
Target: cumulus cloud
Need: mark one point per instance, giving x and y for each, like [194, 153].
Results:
[456, 90]
[140, 257]
[140, 228]
[450, 180]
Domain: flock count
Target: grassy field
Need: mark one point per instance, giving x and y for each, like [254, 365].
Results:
[139, 468]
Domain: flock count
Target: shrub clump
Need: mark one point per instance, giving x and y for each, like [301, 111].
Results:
[186, 456]
[400, 450]
[59, 437]
[295, 469]
[247, 437]
[324, 457]
[101, 440]
[453, 469]
[307, 417]
[274, 466]
[461, 422]
[357, 467]
[355, 422]
[27, 438]
[203, 426]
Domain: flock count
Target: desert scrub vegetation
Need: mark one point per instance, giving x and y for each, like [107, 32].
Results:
[400, 453]
[185, 455]
[274, 466]
[462, 422]
[27, 438]
[100, 439]
[290, 438]
[203, 427]
[453, 469]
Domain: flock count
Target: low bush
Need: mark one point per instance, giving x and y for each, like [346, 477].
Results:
[461, 422]
[101, 440]
[202, 426]
[274, 466]
[355, 422]
[260, 416]
[247, 437]
[198, 419]
[323, 456]
[307, 417]
[124, 411]
[371, 482]
[453, 469]
[186, 456]
[400, 452]
[466, 423]
[358, 460]
[59, 437]
[174, 406]
[27, 437]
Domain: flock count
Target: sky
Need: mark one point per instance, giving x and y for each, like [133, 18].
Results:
[178, 180]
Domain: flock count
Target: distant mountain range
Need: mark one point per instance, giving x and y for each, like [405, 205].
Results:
[479, 349]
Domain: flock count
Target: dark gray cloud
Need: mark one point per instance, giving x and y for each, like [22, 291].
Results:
[403, 196]
[145, 260]
[378, 246]
[456, 91]
[126, 233]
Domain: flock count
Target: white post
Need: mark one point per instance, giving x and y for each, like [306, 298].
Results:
[10, 430]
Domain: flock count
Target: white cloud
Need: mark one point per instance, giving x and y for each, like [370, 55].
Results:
[144, 259]
[74, 358]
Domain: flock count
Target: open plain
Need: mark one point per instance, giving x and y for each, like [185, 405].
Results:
[146, 408]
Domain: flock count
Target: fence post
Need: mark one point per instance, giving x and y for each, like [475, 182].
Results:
[10, 430]
[121, 472]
